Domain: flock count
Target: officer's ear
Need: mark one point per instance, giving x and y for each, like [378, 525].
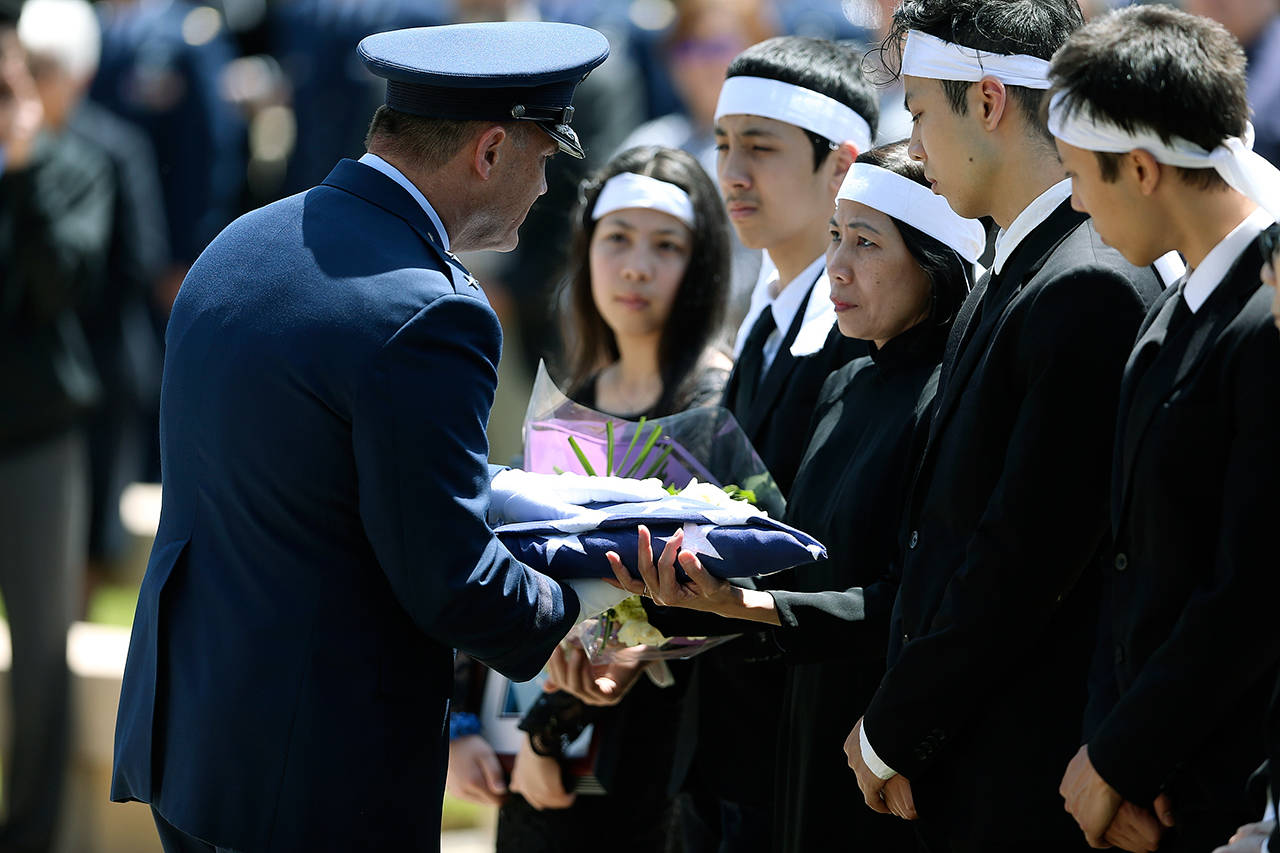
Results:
[488, 149]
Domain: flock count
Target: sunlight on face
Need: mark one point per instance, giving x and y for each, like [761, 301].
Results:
[638, 258]
[771, 191]
[943, 141]
[1123, 217]
[878, 289]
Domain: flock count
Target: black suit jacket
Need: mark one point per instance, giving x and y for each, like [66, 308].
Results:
[736, 691]
[779, 419]
[1192, 584]
[993, 627]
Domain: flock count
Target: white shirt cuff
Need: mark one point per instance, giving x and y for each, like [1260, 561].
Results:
[1265, 848]
[878, 767]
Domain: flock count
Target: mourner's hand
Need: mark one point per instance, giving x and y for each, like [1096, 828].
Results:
[570, 670]
[1089, 799]
[21, 110]
[872, 786]
[897, 796]
[538, 779]
[703, 591]
[1248, 838]
[474, 772]
[1134, 829]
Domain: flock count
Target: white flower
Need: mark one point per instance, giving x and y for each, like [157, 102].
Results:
[637, 633]
[707, 493]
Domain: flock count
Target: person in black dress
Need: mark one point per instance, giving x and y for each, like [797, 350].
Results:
[896, 284]
[642, 302]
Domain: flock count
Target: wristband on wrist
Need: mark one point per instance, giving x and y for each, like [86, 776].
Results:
[462, 724]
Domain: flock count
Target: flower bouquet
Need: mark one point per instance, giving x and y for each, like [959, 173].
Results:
[695, 471]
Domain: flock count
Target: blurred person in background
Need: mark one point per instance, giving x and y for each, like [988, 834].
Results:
[162, 68]
[1256, 25]
[56, 200]
[62, 41]
[332, 94]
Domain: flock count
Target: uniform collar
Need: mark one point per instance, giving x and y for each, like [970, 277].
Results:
[396, 175]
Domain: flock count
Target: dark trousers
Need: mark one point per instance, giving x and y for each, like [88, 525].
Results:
[174, 840]
[43, 532]
[932, 843]
[594, 823]
[712, 825]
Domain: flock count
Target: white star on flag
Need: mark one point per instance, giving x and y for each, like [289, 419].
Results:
[555, 543]
[696, 541]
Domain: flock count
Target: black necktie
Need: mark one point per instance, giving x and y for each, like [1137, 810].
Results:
[751, 363]
[1181, 314]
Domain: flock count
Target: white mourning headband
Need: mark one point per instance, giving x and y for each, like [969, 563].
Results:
[1244, 171]
[627, 189]
[914, 204]
[805, 108]
[931, 57]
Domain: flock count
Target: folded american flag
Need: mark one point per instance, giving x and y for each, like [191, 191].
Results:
[564, 524]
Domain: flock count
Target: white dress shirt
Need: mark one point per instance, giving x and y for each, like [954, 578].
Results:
[1027, 221]
[1204, 279]
[1169, 266]
[785, 303]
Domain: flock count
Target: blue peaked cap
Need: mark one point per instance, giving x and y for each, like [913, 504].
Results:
[497, 71]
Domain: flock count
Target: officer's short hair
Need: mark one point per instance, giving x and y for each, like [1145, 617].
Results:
[1157, 68]
[429, 142]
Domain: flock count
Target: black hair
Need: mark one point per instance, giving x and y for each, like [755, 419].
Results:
[697, 311]
[945, 269]
[826, 67]
[1031, 27]
[1160, 69]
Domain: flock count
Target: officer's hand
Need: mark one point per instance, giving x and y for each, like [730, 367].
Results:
[605, 684]
[474, 772]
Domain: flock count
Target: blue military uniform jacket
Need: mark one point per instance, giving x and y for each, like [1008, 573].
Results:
[322, 544]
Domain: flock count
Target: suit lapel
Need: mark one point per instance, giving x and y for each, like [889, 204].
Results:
[997, 296]
[1172, 359]
[1150, 340]
[775, 379]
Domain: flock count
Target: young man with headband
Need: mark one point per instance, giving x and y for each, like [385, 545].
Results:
[793, 114]
[993, 626]
[1151, 119]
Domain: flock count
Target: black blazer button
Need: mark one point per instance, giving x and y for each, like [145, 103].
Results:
[906, 638]
[1122, 562]
[1119, 653]
[915, 539]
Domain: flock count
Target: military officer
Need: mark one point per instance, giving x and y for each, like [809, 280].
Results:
[323, 545]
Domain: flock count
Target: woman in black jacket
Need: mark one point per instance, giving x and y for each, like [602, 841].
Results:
[898, 275]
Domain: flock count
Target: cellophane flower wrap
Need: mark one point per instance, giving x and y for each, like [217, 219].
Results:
[702, 455]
